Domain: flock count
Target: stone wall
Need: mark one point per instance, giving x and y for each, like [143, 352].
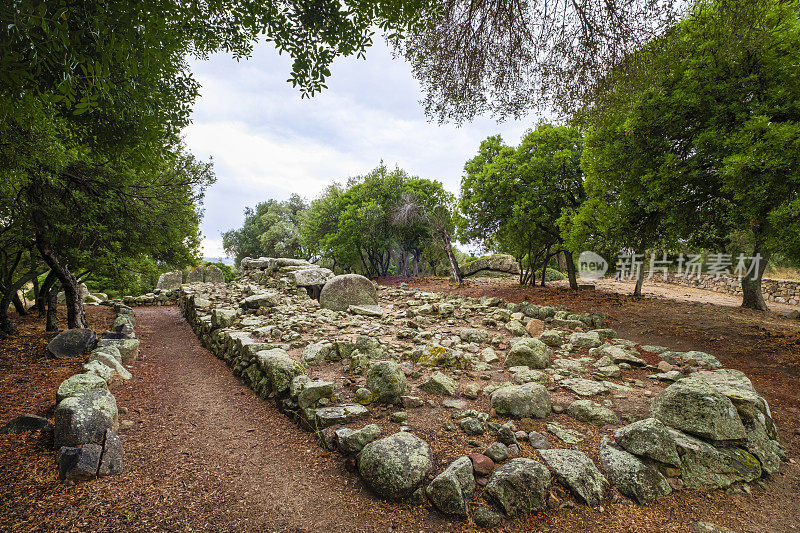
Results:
[774, 290]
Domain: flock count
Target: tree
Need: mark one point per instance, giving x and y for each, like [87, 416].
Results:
[425, 211]
[506, 58]
[93, 96]
[272, 229]
[513, 198]
[712, 136]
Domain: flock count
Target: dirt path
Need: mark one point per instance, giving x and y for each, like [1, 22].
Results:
[202, 452]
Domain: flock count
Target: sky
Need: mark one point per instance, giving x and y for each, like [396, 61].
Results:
[267, 142]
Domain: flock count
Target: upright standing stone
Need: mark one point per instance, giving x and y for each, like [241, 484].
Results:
[170, 280]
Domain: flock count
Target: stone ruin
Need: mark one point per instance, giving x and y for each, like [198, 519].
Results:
[457, 401]
[86, 419]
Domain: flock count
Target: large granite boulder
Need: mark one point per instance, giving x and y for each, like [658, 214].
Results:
[529, 352]
[395, 466]
[693, 406]
[649, 438]
[451, 490]
[704, 466]
[72, 343]
[575, 470]
[633, 477]
[340, 292]
[522, 401]
[85, 418]
[519, 486]
[387, 381]
[493, 264]
[170, 280]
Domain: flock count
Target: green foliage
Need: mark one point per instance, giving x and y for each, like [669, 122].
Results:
[512, 199]
[380, 223]
[272, 229]
[702, 148]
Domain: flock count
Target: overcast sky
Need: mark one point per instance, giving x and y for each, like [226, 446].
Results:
[267, 142]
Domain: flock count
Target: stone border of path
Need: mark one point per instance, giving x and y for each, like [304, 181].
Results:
[86, 418]
[709, 429]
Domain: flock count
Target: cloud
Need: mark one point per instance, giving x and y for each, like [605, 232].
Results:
[267, 142]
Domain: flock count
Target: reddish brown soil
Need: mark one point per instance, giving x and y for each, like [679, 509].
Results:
[205, 453]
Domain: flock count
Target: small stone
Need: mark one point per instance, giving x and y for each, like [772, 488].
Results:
[481, 464]
[497, 452]
[472, 426]
[399, 417]
[485, 517]
[538, 440]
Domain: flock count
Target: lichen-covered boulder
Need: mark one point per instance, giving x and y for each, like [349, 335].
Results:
[590, 339]
[519, 486]
[119, 372]
[262, 299]
[693, 406]
[387, 381]
[72, 343]
[223, 317]
[575, 470]
[592, 413]
[395, 466]
[85, 418]
[438, 383]
[451, 490]
[279, 369]
[78, 384]
[350, 441]
[340, 292]
[529, 352]
[633, 477]
[128, 348]
[311, 277]
[704, 466]
[316, 353]
[522, 401]
[649, 438]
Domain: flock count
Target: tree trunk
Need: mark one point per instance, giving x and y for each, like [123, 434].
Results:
[9, 295]
[448, 249]
[44, 294]
[76, 314]
[401, 264]
[546, 262]
[19, 305]
[637, 291]
[415, 263]
[570, 264]
[52, 308]
[752, 297]
[35, 292]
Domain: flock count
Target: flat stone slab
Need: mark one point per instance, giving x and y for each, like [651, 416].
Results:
[339, 414]
[583, 387]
